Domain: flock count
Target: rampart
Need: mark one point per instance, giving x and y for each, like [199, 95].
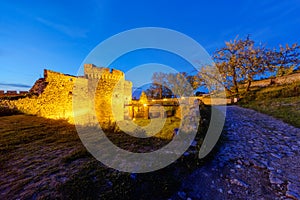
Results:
[9, 93]
[53, 96]
[288, 79]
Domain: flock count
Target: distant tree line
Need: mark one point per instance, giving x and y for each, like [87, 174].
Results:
[239, 61]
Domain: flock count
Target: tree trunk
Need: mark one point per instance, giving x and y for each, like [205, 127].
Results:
[248, 86]
[228, 91]
[160, 91]
[236, 88]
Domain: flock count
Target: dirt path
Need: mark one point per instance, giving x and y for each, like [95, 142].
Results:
[258, 159]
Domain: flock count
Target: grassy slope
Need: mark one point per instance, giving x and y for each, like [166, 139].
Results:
[45, 159]
[287, 109]
[282, 102]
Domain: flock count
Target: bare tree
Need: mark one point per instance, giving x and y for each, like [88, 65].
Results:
[288, 59]
[159, 80]
[256, 60]
[213, 80]
[241, 60]
[179, 85]
[228, 61]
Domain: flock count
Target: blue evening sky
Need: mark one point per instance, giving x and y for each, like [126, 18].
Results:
[58, 35]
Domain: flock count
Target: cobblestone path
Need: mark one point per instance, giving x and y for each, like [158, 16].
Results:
[259, 158]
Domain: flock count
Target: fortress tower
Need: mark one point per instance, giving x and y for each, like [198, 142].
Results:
[110, 90]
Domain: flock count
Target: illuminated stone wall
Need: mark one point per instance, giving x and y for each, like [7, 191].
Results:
[10, 93]
[287, 79]
[108, 88]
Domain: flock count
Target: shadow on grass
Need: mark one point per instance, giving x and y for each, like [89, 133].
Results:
[5, 111]
[76, 174]
[95, 181]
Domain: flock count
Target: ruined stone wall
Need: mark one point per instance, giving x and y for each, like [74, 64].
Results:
[260, 83]
[288, 79]
[9, 93]
[292, 78]
[101, 90]
[56, 100]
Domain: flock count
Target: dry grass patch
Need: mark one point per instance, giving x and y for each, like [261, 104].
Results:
[45, 159]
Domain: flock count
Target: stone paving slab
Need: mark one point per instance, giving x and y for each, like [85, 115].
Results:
[258, 159]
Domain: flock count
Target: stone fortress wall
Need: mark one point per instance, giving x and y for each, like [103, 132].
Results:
[288, 79]
[106, 89]
[12, 93]
[112, 92]
[100, 90]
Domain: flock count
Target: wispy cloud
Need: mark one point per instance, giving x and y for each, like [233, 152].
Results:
[279, 8]
[14, 85]
[211, 48]
[275, 11]
[74, 32]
